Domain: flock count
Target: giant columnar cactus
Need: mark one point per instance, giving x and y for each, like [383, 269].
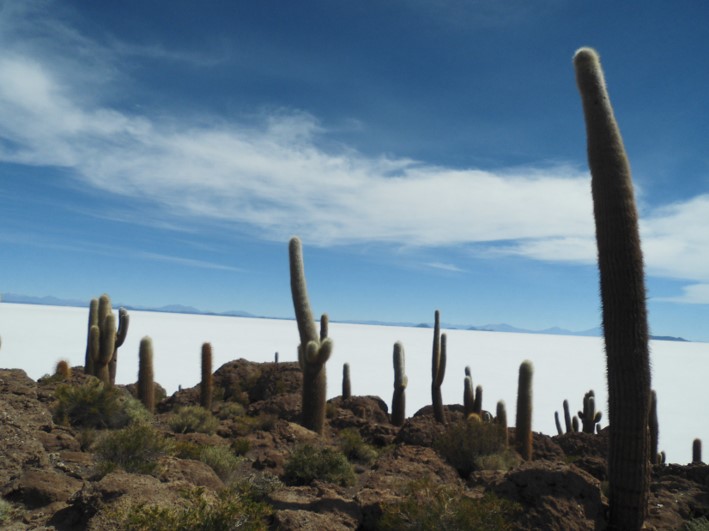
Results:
[206, 385]
[697, 451]
[567, 417]
[501, 420]
[146, 379]
[93, 321]
[313, 351]
[523, 425]
[478, 404]
[346, 385]
[103, 362]
[654, 429]
[468, 396]
[438, 369]
[589, 416]
[398, 401]
[620, 263]
[559, 431]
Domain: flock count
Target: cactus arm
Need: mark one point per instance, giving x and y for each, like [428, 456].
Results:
[299, 292]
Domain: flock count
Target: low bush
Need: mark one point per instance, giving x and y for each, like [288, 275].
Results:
[354, 447]
[240, 446]
[231, 409]
[200, 511]
[136, 448]
[308, 462]
[245, 424]
[431, 506]
[8, 513]
[220, 459]
[190, 419]
[470, 445]
[93, 405]
[697, 524]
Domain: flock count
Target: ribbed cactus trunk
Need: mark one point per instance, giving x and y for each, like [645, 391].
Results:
[206, 385]
[314, 350]
[438, 369]
[346, 384]
[654, 430]
[501, 420]
[398, 401]
[146, 377]
[697, 451]
[93, 321]
[523, 424]
[620, 263]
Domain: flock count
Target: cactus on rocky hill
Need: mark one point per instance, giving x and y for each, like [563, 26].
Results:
[398, 401]
[206, 385]
[346, 384]
[101, 359]
[438, 369]
[622, 280]
[523, 423]
[589, 416]
[314, 350]
[146, 379]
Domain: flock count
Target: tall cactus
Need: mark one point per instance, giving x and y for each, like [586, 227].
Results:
[100, 362]
[567, 417]
[478, 403]
[346, 384]
[313, 352]
[589, 416]
[523, 425]
[468, 395]
[620, 263]
[398, 401]
[206, 385]
[438, 368]
[146, 379]
[501, 420]
[697, 451]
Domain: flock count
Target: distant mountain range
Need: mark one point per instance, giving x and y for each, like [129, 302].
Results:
[179, 308]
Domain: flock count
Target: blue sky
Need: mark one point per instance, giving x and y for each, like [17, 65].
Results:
[429, 154]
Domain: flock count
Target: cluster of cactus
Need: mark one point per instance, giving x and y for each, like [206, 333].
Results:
[589, 416]
[438, 370]
[622, 281]
[472, 398]
[523, 425]
[398, 401]
[314, 350]
[571, 425]
[104, 339]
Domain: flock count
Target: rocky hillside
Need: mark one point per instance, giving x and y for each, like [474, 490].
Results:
[77, 456]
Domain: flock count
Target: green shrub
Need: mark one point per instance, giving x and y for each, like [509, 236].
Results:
[220, 459]
[200, 511]
[467, 445]
[308, 463]
[697, 524]
[8, 513]
[186, 450]
[240, 446]
[354, 447]
[92, 405]
[231, 409]
[257, 486]
[136, 448]
[190, 419]
[431, 506]
[246, 424]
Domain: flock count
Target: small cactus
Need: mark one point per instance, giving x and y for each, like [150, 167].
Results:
[523, 426]
[478, 404]
[146, 380]
[398, 401]
[346, 385]
[438, 369]
[63, 370]
[559, 431]
[314, 350]
[206, 385]
[567, 417]
[575, 424]
[468, 396]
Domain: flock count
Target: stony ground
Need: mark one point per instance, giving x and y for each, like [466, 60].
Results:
[48, 472]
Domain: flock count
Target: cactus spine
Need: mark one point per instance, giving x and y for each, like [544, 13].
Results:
[589, 416]
[146, 385]
[523, 425]
[314, 350]
[625, 329]
[398, 401]
[346, 385]
[438, 368]
[206, 385]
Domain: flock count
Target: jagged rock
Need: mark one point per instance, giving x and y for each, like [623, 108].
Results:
[41, 487]
[190, 471]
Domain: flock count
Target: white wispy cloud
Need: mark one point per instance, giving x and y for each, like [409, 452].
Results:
[276, 179]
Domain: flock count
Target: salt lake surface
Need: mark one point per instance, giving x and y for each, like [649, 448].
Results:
[35, 337]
